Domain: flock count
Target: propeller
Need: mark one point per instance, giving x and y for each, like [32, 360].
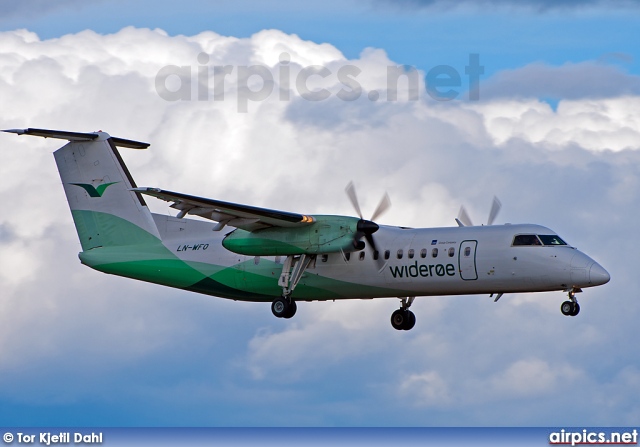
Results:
[465, 221]
[366, 228]
[495, 209]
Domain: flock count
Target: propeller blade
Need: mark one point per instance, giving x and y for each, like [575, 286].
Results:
[370, 242]
[464, 217]
[495, 209]
[373, 248]
[366, 228]
[351, 193]
[383, 206]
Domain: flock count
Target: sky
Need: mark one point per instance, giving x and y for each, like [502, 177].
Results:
[552, 128]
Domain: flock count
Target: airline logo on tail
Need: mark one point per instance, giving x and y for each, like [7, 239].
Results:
[93, 191]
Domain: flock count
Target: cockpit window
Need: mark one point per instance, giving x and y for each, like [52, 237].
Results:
[551, 239]
[539, 239]
[526, 239]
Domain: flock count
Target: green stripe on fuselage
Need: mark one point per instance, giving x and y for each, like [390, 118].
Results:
[142, 256]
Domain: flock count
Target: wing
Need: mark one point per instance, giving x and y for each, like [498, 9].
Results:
[246, 217]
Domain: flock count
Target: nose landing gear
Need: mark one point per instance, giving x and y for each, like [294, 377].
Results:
[403, 319]
[571, 308]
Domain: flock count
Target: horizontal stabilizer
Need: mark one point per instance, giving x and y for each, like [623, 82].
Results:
[131, 144]
[79, 136]
[61, 134]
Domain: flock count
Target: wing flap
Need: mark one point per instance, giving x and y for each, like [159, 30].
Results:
[246, 217]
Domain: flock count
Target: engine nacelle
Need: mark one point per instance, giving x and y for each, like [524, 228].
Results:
[328, 234]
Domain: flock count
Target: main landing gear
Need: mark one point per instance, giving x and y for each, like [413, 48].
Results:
[403, 319]
[571, 308]
[292, 272]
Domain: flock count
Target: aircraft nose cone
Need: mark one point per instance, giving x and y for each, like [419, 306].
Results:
[598, 275]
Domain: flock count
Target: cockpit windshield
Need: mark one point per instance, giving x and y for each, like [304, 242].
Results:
[537, 239]
[526, 239]
[551, 239]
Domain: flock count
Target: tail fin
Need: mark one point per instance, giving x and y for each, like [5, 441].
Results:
[98, 186]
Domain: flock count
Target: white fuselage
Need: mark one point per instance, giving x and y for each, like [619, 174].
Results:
[420, 262]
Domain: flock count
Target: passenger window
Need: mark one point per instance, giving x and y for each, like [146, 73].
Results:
[452, 251]
[526, 239]
[400, 254]
[386, 254]
[376, 255]
[361, 255]
[325, 258]
[467, 251]
[434, 253]
[410, 253]
[423, 253]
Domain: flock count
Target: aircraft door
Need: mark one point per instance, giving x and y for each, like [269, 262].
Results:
[467, 260]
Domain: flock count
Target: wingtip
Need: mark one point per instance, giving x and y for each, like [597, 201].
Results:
[18, 131]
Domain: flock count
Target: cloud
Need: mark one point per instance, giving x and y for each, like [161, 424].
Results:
[606, 124]
[427, 388]
[523, 379]
[584, 80]
[73, 339]
[532, 377]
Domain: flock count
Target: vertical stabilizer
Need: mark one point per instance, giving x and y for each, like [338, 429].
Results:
[98, 186]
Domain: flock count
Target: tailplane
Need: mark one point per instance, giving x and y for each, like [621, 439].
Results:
[98, 185]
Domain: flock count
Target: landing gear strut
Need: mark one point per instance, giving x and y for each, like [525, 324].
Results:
[571, 308]
[403, 319]
[292, 272]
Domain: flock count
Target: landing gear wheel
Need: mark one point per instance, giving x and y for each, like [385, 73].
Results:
[403, 320]
[576, 309]
[291, 311]
[397, 319]
[283, 307]
[571, 308]
[567, 308]
[410, 322]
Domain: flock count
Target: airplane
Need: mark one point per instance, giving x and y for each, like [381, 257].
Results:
[247, 253]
